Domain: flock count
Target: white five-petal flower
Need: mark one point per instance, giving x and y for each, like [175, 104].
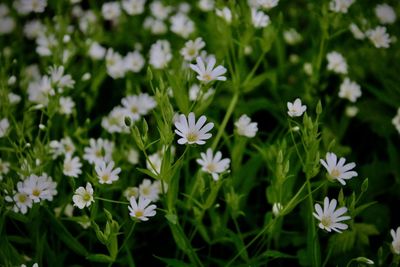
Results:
[296, 109]
[245, 127]
[106, 172]
[72, 166]
[206, 72]
[83, 197]
[330, 219]
[193, 132]
[214, 165]
[337, 170]
[141, 210]
[350, 90]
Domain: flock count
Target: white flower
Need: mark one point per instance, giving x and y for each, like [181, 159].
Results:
[115, 64]
[213, 165]
[27, 6]
[182, 25]
[99, 150]
[39, 187]
[111, 10]
[134, 61]
[267, 4]
[195, 94]
[296, 109]
[340, 6]
[336, 62]
[245, 127]
[155, 25]
[349, 90]
[385, 14]
[63, 147]
[259, 19]
[225, 13]
[206, 5]
[7, 25]
[396, 240]
[22, 201]
[72, 166]
[379, 37]
[277, 208]
[4, 125]
[83, 197]
[58, 79]
[292, 37]
[141, 209]
[4, 168]
[133, 7]
[192, 49]
[158, 10]
[131, 192]
[33, 28]
[66, 105]
[351, 111]
[148, 190]
[337, 170]
[138, 105]
[357, 33]
[154, 162]
[115, 121]
[206, 72]
[160, 54]
[133, 156]
[192, 132]
[14, 98]
[396, 121]
[106, 172]
[96, 51]
[330, 219]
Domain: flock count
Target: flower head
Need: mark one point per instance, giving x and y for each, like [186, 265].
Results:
[72, 166]
[330, 219]
[385, 14]
[396, 240]
[193, 132]
[141, 210]
[259, 19]
[192, 49]
[106, 172]
[336, 62]
[349, 90]
[245, 127]
[296, 109]
[83, 197]
[379, 37]
[213, 164]
[39, 187]
[206, 72]
[337, 170]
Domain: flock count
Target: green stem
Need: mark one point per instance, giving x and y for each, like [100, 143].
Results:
[313, 245]
[228, 114]
[112, 201]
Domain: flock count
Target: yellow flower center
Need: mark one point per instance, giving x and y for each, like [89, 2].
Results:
[207, 77]
[211, 167]
[22, 198]
[335, 173]
[105, 177]
[146, 191]
[134, 109]
[36, 192]
[86, 197]
[139, 213]
[192, 137]
[326, 221]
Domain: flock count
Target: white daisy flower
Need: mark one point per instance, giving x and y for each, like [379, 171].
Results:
[159, 10]
[336, 62]
[83, 197]
[134, 61]
[4, 125]
[99, 150]
[224, 13]
[141, 210]
[72, 166]
[267, 4]
[193, 132]
[58, 79]
[330, 219]
[245, 127]
[206, 72]
[192, 49]
[96, 51]
[196, 94]
[22, 201]
[357, 33]
[340, 6]
[160, 54]
[206, 5]
[106, 172]
[63, 147]
[115, 121]
[259, 19]
[296, 109]
[379, 37]
[148, 190]
[131, 192]
[66, 105]
[111, 10]
[350, 90]
[337, 170]
[396, 240]
[39, 187]
[385, 14]
[213, 165]
[396, 121]
[182, 25]
[4, 168]
[133, 7]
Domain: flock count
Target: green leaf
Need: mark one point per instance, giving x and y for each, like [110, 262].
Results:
[275, 254]
[147, 172]
[100, 258]
[173, 262]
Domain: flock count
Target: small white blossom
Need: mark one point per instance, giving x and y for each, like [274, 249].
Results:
[111, 10]
[206, 5]
[39, 187]
[291, 36]
[379, 37]
[66, 105]
[193, 132]
[160, 54]
[115, 121]
[99, 150]
[340, 6]
[350, 90]
[72, 166]
[192, 49]
[4, 126]
[296, 109]
[63, 147]
[267, 4]
[330, 218]
[83, 197]
[276, 208]
[148, 190]
[213, 164]
[357, 33]
[182, 25]
[134, 61]
[133, 7]
[141, 210]
[4, 168]
[336, 62]
[106, 173]
[196, 94]
[96, 51]
[259, 19]
[245, 127]
[225, 13]
[337, 170]
[385, 14]
[206, 72]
